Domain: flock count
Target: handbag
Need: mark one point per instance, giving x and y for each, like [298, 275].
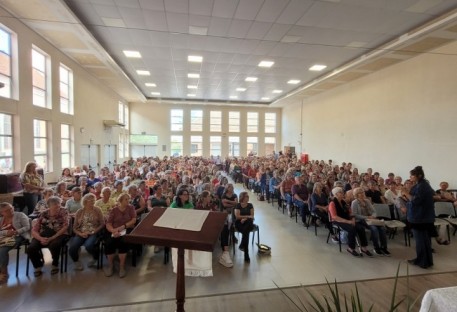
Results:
[264, 249]
[7, 241]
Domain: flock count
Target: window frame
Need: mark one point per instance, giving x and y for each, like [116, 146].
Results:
[196, 122]
[5, 136]
[215, 122]
[252, 124]
[68, 84]
[234, 127]
[176, 120]
[270, 123]
[6, 78]
[46, 138]
[45, 73]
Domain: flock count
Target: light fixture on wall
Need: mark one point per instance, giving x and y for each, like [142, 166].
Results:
[82, 129]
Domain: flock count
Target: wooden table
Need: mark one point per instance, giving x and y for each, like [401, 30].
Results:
[204, 240]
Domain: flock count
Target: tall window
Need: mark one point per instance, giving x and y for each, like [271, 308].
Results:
[177, 116]
[66, 90]
[270, 122]
[234, 122]
[5, 63]
[6, 144]
[124, 114]
[215, 145]
[252, 146]
[40, 146]
[234, 146]
[196, 120]
[253, 122]
[39, 79]
[196, 145]
[215, 121]
[121, 146]
[270, 145]
[176, 145]
[66, 145]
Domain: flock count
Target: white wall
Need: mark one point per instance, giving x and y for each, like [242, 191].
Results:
[392, 120]
[93, 103]
[154, 118]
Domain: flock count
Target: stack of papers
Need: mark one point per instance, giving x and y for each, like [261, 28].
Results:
[182, 219]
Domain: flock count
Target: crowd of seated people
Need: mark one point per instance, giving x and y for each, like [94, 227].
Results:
[137, 186]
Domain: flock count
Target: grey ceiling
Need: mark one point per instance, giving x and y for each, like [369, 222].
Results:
[235, 35]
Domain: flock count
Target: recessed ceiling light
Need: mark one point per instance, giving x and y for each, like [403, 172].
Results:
[265, 98]
[266, 64]
[193, 75]
[132, 54]
[143, 72]
[277, 91]
[191, 95]
[251, 79]
[155, 93]
[241, 89]
[317, 67]
[195, 58]
[150, 84]
[290, 39]
[195, 30]
[191, 87]
[293, 81]
[233, 97]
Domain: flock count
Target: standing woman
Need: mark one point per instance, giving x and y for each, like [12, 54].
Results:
[244, 222]
[15, 227]
[32, 184]
[421, 217]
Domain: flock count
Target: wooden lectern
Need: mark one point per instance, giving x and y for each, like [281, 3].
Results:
[204, 240]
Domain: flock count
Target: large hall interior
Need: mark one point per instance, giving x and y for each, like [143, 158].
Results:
[97, 82]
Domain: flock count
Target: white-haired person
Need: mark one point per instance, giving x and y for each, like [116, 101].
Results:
[14, 229]
[341, 215]
[364, 211]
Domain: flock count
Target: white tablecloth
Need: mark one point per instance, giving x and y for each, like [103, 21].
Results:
[196, 263]
[440, 300]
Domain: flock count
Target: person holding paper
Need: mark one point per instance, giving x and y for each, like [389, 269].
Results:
[364, 212]
[121, 220]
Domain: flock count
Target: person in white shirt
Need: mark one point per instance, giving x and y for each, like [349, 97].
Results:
[391, 196]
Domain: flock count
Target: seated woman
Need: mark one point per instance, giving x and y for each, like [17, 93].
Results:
[106, 203]
[229, 200]
[158, 199]
[121, 220]
[50, 231]
[73, 204]
[136, 200]
[67, 177]
[206, 202]
[62, 192]
[341, 215]
[97, 190]
[182, 200]
[42, 204]
[244, 222]
[118, 190]
[14, 229]
[89, 222]
[363, 211]
[319, 206]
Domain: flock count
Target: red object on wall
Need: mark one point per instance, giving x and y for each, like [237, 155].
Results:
[304, 158]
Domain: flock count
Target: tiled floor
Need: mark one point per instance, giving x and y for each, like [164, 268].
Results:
[298, 258]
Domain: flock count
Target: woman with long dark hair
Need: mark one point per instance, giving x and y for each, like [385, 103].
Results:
[421, 217]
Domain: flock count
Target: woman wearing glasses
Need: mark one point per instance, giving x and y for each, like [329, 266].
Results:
[182, 200]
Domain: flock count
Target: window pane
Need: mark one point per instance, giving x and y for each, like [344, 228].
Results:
[234, 121]
[39, 97]
[215, 121]
[252, 122]
[5, 124]
[6, 164]
[6, 146]
[176, 119]
[40, 146]
[38, 60]
[65, 131]
[41, 161]
[66, 161]
[64, 106]
[196, 120]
